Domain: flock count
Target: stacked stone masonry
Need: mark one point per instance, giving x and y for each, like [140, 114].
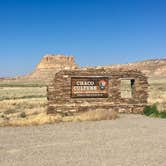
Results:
[60, 100]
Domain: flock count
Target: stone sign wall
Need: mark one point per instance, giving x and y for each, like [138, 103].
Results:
[72, 91]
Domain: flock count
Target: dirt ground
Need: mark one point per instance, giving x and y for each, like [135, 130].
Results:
[131, 140]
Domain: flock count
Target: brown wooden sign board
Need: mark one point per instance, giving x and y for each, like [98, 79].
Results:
[89, 87]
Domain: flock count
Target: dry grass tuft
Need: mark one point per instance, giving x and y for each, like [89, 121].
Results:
[7, 93]
[99, 114]
[38, 119]
[21, 106]
[43, 118]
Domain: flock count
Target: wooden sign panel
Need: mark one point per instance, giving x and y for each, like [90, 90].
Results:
[93, 87]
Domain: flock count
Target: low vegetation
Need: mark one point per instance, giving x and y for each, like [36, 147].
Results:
[92, 115]
[152, 111]
[25, 104]
[9, 93]
[20, 103]
[43, 118]
[22, 84]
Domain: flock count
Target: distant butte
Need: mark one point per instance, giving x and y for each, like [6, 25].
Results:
[52, 63]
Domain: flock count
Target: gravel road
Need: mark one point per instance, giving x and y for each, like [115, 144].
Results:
[131, 140]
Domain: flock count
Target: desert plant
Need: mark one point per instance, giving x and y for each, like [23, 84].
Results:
[162, 114]
[153, 112]
[98, 115]
[22, 114]
[2, 116]
[9, 111]
[63, 114]
[148, 110]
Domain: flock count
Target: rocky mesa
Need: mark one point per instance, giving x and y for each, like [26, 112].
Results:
[154, 68]
[50, 64]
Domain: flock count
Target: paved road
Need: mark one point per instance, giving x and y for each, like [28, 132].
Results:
[132, 140]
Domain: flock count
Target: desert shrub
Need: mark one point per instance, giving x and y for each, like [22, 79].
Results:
[9, 111]
[162, 114]
[153, 112]
[2, 116]
[64, 114]
[148, 110]
[22, 114]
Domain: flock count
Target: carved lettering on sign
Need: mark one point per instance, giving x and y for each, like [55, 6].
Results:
[89, 87]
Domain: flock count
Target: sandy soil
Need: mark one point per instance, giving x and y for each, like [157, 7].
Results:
[131, 140]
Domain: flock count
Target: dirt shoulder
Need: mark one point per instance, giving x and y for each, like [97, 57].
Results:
[129, 140]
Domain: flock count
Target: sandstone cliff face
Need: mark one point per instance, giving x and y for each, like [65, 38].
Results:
[49, 66]
[57, 62]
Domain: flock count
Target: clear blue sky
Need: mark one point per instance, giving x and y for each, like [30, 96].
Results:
[96, 32]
